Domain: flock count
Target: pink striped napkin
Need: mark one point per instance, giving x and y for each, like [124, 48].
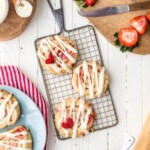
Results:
[11, 76]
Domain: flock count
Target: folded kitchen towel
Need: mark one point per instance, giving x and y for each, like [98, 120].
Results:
[11, 76]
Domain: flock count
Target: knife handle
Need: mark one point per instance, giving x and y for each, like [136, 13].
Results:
[139, 6]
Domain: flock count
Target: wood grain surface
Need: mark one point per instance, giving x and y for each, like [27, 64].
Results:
[14, 25]
[108, 25]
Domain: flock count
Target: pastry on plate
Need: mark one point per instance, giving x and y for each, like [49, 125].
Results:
[90, 79]
[18, 138]
[57, 54]
[74, 118]
[9, 109]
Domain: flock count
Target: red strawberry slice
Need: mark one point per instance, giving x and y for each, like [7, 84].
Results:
[68, 124]
[128, 37]
[50, 59]
[139, 23]
[89, 2]
[148, 16]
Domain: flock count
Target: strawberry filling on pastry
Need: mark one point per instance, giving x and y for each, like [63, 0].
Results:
[20, 136]
[90, 71]
[91, 118]
[50, 59]
[68, 123]
[59, 53]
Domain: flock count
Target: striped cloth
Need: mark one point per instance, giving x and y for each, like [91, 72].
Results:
[11, 76]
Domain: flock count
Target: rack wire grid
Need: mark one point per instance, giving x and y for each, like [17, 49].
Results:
[59, 87]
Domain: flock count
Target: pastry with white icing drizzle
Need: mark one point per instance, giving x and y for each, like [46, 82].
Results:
[74, 118]
[90, 79]
[57, 54]
[18, 138]
[9, 109]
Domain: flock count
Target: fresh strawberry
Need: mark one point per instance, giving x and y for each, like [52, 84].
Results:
[128, 37]
[50, 59]
[148, 16]
[89, 2]
[139, 23]
[68, 124]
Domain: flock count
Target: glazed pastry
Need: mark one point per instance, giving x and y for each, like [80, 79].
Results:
[9, 109]
[23, 8]
[57, 54]
[18, 138]
[74, 118]
[90, 80]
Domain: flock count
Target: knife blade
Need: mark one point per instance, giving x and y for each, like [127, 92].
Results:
[115, 9]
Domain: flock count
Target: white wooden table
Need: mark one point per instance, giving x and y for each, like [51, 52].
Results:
[129, 79]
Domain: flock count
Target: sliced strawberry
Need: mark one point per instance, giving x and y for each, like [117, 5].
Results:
[128, 37]
[148, 16]
[50, 59]
[89, 2]
[139, 23]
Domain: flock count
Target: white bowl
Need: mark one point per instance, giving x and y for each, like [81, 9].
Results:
[3, 10]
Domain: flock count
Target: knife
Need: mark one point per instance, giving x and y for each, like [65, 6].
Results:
[116, 9]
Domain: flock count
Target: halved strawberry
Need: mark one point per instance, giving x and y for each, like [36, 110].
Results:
[128, 37]
[148, 16]
[139, 23]
[89, 2]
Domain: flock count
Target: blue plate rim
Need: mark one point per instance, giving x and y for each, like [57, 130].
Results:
[18, 90]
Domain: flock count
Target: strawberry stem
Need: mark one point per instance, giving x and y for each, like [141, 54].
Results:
[122, 47]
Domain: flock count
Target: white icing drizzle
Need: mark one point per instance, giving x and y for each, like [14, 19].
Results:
[46, 47]
[76, 117]
[3, 105]
[80, 111]
[63, 114]
[96, 78]
[54, 66]
[17, 140]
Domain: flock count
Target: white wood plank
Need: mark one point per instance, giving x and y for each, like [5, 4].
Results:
[146, 87]
[27, 57]
[134, 94]
[116, 71]
[45, 26]
[10, 52]
[101, 136]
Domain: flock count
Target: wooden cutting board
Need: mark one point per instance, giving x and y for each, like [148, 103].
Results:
[143, 142]
[108, 25]
[14, 25]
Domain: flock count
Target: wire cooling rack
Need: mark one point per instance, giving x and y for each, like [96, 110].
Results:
[59, 87]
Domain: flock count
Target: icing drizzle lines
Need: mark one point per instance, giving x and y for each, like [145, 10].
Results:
[12, 136]
[76, 116]
[97, 79]
[3, 105]
[46, 48]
